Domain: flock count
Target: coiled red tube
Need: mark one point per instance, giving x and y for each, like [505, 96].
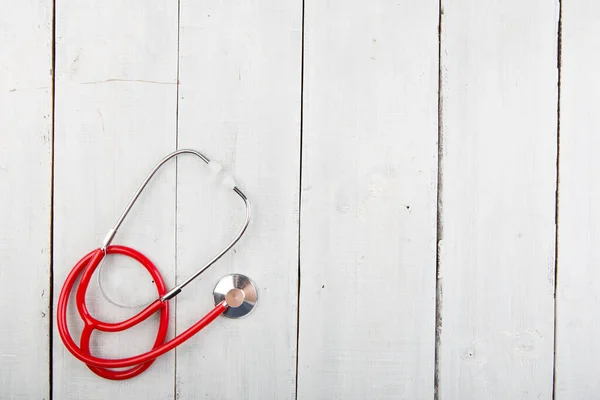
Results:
[103, 366]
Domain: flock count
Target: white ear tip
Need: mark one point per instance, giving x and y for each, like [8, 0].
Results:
[228, 182]
[215, 167]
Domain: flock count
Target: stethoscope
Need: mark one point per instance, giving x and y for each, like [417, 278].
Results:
[234, 295]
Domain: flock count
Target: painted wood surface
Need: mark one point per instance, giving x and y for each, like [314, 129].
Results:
[116, 97]
[496, 269]
[239, 101]
[333, 134]
[25, 198]
[368, 220]
[577, 299]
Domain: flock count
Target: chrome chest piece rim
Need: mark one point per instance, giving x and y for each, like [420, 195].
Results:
[239, 292]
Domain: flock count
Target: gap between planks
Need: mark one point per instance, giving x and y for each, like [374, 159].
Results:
[556, 201]
[439, 229]
[300, 199]
[51, 272]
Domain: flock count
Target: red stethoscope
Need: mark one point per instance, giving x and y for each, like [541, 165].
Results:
[235, 295]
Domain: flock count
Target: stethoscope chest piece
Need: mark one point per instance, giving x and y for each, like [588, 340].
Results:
[239, 292]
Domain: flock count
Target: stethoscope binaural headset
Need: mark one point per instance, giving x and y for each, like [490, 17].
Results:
[235, 295]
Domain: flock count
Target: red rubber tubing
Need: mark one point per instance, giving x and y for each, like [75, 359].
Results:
[103, 366]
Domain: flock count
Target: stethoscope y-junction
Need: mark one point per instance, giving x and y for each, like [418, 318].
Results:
[235, 295]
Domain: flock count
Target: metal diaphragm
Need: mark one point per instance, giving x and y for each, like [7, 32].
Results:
[239, 292]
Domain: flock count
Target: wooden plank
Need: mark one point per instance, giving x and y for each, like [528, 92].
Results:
[577, 325]
[240, 104]
[116, 95]
[496, 271]
[25, 175]
[368, 227]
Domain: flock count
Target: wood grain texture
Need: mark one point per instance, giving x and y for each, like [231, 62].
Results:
[577, 300]
[116, 68]
[499, 96]
[239, 103]
[25, 181]
[368, 225]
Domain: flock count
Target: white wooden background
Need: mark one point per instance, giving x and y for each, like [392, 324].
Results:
[423, 175]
